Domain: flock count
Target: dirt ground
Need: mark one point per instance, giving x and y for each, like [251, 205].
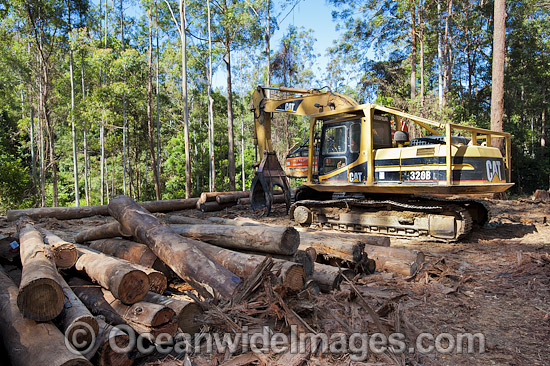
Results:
[496, 282]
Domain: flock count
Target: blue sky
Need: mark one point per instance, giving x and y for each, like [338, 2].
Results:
[310, 14]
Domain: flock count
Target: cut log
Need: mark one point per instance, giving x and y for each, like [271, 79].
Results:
[290, 274]
[127, 283]
[143, 317]
[169, 205]
[103, 354]
[69, 213]
[110, 230]
[126, 249]
[265, 239]
[231, 198]
[60, 213]
[135, 252]
[211, 196]
[349, 250]
[378, 240]
[403, 261]
[26, 341]
[64, 253]
[279, 198]
[185, 220]
[179, 253]
[328, 277]
[40, 294]
[213, 206]
[75, 321]
[187, 312]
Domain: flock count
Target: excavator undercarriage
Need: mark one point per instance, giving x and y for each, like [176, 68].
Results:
[409, 217]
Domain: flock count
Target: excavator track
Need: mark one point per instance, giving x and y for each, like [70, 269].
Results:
[416, 217]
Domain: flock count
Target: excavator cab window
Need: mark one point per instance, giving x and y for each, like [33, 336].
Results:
[355, 137]
[381, 132]
[335, 140]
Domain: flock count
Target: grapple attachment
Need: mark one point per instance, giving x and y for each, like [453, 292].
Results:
[268, 175]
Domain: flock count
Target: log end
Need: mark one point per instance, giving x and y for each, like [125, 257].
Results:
[158, 282]
[290, 241]
[295, 277]
[83, 331]
[164, 321]
[65, 255]
[108, 356]
[188, 320]
[133, 287]
[41, 300]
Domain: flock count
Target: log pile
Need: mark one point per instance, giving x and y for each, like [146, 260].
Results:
[118, 274]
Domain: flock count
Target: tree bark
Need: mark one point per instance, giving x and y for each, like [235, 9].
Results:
[40, 295]
[28, 342]
[143, 317]
[187, 312]
[126, 283]
[497, 90]
[180, 254]
[273, 240]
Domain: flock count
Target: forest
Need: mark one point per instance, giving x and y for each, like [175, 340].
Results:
[117, 97]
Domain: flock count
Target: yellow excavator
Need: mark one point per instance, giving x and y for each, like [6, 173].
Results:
[365, 174]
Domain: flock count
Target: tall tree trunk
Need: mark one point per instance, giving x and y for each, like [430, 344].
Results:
[543, 116]
[183, 36]
[42, 145]
[150, 106]
[421, 39]
[73, 130]
[446, 54]
[85, 142]
[124, 122]
[212, 165]
[413, 52]
[102, 159]
[267, 45]
[439, 57]
[497, 90]
[33, 157]
[230, 136]
[157, 92]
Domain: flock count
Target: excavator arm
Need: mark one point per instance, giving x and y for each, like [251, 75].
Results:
[303, 102]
